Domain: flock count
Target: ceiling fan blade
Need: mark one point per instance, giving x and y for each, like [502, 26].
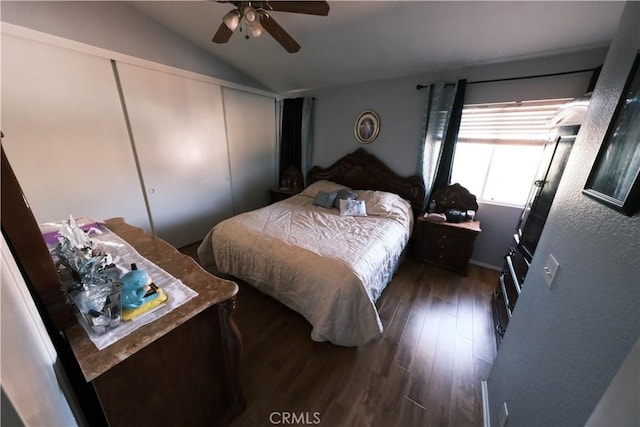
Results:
[223, 34]
[278, 33]
[308, 7]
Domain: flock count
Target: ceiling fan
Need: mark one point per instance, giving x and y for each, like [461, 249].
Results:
[257, 17]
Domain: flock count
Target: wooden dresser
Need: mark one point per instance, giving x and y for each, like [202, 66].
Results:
[446, 244]
[181, 369]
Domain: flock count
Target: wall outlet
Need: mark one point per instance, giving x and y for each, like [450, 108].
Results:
[504, 415]
[550, 269]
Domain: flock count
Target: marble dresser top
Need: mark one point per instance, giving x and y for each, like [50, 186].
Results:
[210, 289]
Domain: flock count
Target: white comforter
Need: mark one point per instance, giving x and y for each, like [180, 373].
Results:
[327, 267]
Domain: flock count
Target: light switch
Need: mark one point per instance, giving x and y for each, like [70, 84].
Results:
[550, 270]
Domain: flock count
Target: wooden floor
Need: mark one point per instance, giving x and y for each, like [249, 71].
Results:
[425, 370]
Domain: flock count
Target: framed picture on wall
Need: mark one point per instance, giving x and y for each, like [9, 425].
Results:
[615, 177]
[367, 126]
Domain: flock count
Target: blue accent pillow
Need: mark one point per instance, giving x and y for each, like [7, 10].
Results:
[344, 195]
[325, 199]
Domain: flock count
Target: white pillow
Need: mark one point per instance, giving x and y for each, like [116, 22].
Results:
[351, 207]
[382, 203]
[323, 185]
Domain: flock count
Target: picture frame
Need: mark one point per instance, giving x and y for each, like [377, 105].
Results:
[367, 126]
[614, 179]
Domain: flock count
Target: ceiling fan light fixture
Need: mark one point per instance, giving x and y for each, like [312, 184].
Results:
[255, 29]
[250, 15]
[232, 19]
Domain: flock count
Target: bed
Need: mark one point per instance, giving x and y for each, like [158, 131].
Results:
[325, 263]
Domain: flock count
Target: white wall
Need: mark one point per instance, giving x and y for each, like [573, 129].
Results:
[498, 225]
[564, 344]
[619, 404]
[401, 110]
[29, 376]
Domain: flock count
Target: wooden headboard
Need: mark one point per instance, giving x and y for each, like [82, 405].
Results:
[363, 171]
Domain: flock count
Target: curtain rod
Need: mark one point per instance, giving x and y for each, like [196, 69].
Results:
[586, 70]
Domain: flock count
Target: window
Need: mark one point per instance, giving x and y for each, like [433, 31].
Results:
[500, 146]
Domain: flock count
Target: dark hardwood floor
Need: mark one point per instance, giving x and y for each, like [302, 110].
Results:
[425, 370]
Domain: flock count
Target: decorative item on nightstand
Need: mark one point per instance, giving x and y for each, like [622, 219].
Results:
[292, 179]
[446, 236]
[291, 183]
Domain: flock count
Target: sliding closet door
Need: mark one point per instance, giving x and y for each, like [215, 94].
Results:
[65, 134]
[178, 131]
[251, 135]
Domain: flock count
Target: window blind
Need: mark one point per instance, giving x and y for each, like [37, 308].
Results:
[525, 122]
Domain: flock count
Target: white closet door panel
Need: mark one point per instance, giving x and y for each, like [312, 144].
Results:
[251, 135]
[178, 131]
[65, 134]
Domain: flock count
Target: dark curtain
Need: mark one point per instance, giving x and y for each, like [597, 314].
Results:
[443, 171]
[291, 139]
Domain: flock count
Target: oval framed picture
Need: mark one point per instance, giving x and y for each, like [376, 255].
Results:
[367, 126]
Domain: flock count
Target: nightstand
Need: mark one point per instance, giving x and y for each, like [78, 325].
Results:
[445, 244]
[278, 194]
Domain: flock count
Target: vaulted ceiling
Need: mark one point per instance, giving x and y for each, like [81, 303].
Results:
[370, 40]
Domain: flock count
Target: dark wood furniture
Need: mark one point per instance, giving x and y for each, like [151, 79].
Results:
[509, 287]
[445, 244]
[278, 194]
[453, 196]
[181, 369]
[530, 226]
[543, 191]
[23, 235]
[363, 171]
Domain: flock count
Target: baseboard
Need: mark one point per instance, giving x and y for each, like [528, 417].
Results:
[485, 265]
[486, 419]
